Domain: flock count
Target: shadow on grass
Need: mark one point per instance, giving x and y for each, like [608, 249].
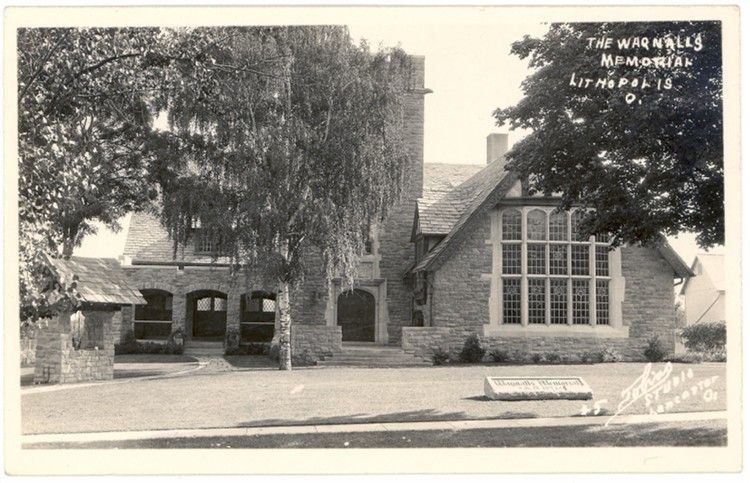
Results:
[701, 434]
[424, 415]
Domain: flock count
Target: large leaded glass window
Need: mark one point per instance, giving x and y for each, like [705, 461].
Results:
[551, 273]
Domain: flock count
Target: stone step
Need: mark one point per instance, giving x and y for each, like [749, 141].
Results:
[372, 355]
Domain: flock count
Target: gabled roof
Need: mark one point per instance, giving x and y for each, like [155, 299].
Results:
[451, 212]
[470, 200]
[712, 266]
[674, 259]
[441, 205]
[100, 280]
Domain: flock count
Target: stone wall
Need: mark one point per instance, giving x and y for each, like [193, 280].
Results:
[320, 341]
[57, 361]
[396, 249]
[460, 303]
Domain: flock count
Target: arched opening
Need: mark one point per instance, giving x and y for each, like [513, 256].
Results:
[257, 316]
[207, 310]
[356, 316]
[154, 319]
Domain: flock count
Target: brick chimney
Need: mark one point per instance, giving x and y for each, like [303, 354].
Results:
[497, 146]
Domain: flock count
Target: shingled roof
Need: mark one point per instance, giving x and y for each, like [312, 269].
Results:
[458, 208]
[441, 203]
[100, 280]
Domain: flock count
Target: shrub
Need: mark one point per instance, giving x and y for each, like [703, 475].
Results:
[440, 356]
[655, 350]
[717, 354]
[591, 357]
[610, 355]
[176, 342]
[552, 357]
[128, 344]
[538, 358]
[705, 336]
[686, 358]
[251, 349]
[473, 350]
[303, 360]
[499, 355]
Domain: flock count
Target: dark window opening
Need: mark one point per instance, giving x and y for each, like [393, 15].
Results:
[257, 316]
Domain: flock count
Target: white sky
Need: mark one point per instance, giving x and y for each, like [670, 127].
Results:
[470, 70]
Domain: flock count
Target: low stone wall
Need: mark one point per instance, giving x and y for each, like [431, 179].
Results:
[422, 342]
[320, 341]
[59, 362]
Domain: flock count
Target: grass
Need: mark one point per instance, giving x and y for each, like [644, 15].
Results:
[267, 397]
[698, 433]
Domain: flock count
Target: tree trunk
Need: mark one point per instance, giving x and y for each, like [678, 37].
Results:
[285, 328]
[285, 318]
[68, 246]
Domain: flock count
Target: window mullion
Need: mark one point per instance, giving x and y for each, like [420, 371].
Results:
[592, 282]
[524, 272]
[570, 268]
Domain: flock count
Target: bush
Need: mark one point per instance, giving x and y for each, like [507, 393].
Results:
[251, 349]
[130, 345]
[686, 358]
[499, 355]
[552, 357]
[473, 350]
[538, 358]
[717, 354]
[591, 357]
[303, 360]
[440, 356]
[610, 355]
[655, 350]
[705, 336]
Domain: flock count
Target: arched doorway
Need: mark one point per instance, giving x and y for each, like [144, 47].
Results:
[356, 316]
[208, 313]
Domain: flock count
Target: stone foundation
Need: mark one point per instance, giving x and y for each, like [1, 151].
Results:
[59, 362]
[422, 342]
[320, 341]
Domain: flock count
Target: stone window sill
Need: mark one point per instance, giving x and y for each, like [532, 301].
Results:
[578, 331]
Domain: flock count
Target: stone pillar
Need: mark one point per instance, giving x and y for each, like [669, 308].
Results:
[179, 311]
[233, 310]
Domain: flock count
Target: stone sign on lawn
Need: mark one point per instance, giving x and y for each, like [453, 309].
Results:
[536, 388]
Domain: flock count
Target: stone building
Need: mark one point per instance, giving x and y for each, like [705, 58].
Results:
[465, 251]
[79, 345]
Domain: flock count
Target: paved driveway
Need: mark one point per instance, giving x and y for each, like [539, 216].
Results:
[205, 399]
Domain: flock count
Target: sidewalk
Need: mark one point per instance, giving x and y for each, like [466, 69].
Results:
[457, 425]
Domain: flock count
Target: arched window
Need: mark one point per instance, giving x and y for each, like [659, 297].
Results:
[536, 225]
[511, 224]
[257, 316]
[549, 277]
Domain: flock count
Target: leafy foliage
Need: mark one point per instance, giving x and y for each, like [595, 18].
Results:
[472, 351]
[649, 167]
[705, 336]
[655, 350]
[83, 141]
[283, 140]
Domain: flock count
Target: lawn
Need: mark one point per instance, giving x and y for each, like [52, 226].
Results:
[251, 398]
[694, 433]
